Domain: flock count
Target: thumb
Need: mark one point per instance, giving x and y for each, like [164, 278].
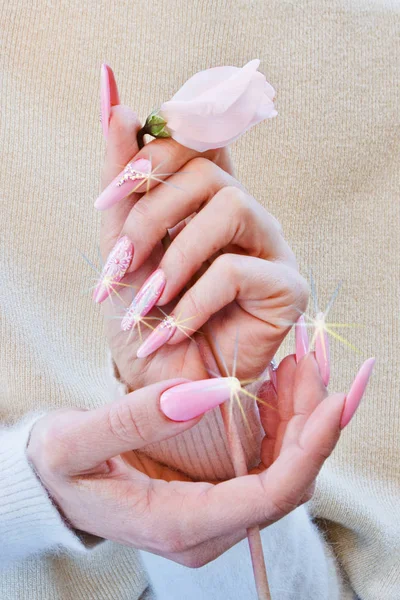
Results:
[136, 420]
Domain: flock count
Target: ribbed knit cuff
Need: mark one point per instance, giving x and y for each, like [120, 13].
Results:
[29, 521]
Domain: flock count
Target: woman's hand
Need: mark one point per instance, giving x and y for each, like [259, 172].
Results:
[85, 461]
[248, 290]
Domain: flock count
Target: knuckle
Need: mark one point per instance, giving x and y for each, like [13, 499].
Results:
[302, 292]
[227, 265]
[178, 255]
[277, 504]
[200, 165]
[194, 303]
[128, 426]
[233, 200]
[298, 291]
[48, 446]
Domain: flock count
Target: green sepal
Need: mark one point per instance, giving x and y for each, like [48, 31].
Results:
[156, 126]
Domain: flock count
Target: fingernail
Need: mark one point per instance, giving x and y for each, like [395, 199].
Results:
[322, 349]
[189, 400]
[116, 266]
[144, 300]
[108, 96]
[356, 392]
[105, 99]
[134, 174]
[301, 336]
[272, 374]
[160, 336]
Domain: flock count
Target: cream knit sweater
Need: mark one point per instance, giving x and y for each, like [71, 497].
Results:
[327, 167]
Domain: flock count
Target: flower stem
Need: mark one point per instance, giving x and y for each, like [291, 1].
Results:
[237, 455]
[240, 467]
[140, 137]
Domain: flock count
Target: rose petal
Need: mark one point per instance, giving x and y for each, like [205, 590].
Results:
[266, 111]
[203, 81]
[198, 120]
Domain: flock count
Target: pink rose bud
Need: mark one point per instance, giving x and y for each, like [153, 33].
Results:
[215, 107]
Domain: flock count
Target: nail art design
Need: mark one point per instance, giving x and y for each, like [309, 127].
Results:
[144, 300]
[116, 266]
[356, 392]
[301, 336]
[188, 400]
[130, 173]
[160, 336]
[127, 181]
[322, 353]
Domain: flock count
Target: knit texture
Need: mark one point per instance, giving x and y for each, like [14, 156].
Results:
[29, 522]
[326, 167]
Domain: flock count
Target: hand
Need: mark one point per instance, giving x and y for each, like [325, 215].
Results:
[251, 290]
[83, 458]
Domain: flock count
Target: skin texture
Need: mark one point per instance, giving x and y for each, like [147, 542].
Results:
[228, 270]
[102, 486]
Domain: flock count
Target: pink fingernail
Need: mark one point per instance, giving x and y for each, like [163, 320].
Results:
[145, 299]
[105, 99]
[134, 174]
[356, 392]
[301, 336]
[189, 400]
[116, 266]
[108, 96]
[322, 349]
[160, 336]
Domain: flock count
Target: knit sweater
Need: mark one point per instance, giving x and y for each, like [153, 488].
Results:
[326, 167]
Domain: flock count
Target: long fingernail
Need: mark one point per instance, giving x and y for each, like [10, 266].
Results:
[109, 96]
[105, 99]
[189, 400]
[356, 392]
[160, 336]
[301, 336]
[116, 266]
[145, 299]
[322, 349]
[134, 174]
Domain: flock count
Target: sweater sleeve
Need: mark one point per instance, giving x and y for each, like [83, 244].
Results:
[29, 522]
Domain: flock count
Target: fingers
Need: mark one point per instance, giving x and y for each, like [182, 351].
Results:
[167, 205]
[307, 393]
[231, 218]
[259, 286]
[209, 511]
[143, 417]
[166, 157]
